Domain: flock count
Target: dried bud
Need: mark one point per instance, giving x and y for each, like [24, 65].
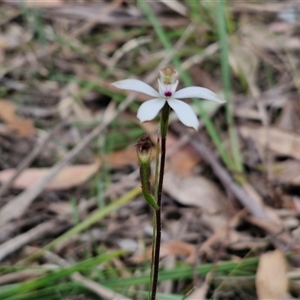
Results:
[143, 149]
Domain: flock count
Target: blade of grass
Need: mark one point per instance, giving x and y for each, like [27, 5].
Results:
[56, 292]
[75, 214]
[226, 78]
[187, 272]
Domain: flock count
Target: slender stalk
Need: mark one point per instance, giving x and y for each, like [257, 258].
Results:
[157, 160]
[156, 248]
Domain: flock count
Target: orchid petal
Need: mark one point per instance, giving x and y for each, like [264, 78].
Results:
[137, 86]
[198, 92]
[184, 113]
[161, 87]
[150, 109]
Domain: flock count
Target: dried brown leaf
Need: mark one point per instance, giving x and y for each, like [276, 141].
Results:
[271, 278]
[22, 126]
[182, 160]
[7, 111]
[280, 141]
[195, 191]
[69, 177]
[60, 208]
[247, 113]
[199, 192]
[287, 172]
[37, 3]
[179, 248]
[122, 158]
[175, 247]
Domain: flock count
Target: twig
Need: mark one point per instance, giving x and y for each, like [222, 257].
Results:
[21, 276]
[227, 180]
[33, 234]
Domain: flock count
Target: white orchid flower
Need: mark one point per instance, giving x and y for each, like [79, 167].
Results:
[167, 85]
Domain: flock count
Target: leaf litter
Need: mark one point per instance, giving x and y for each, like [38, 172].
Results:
[53, 72]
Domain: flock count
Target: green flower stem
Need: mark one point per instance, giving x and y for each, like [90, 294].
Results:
[157, 159]
[156, 246]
